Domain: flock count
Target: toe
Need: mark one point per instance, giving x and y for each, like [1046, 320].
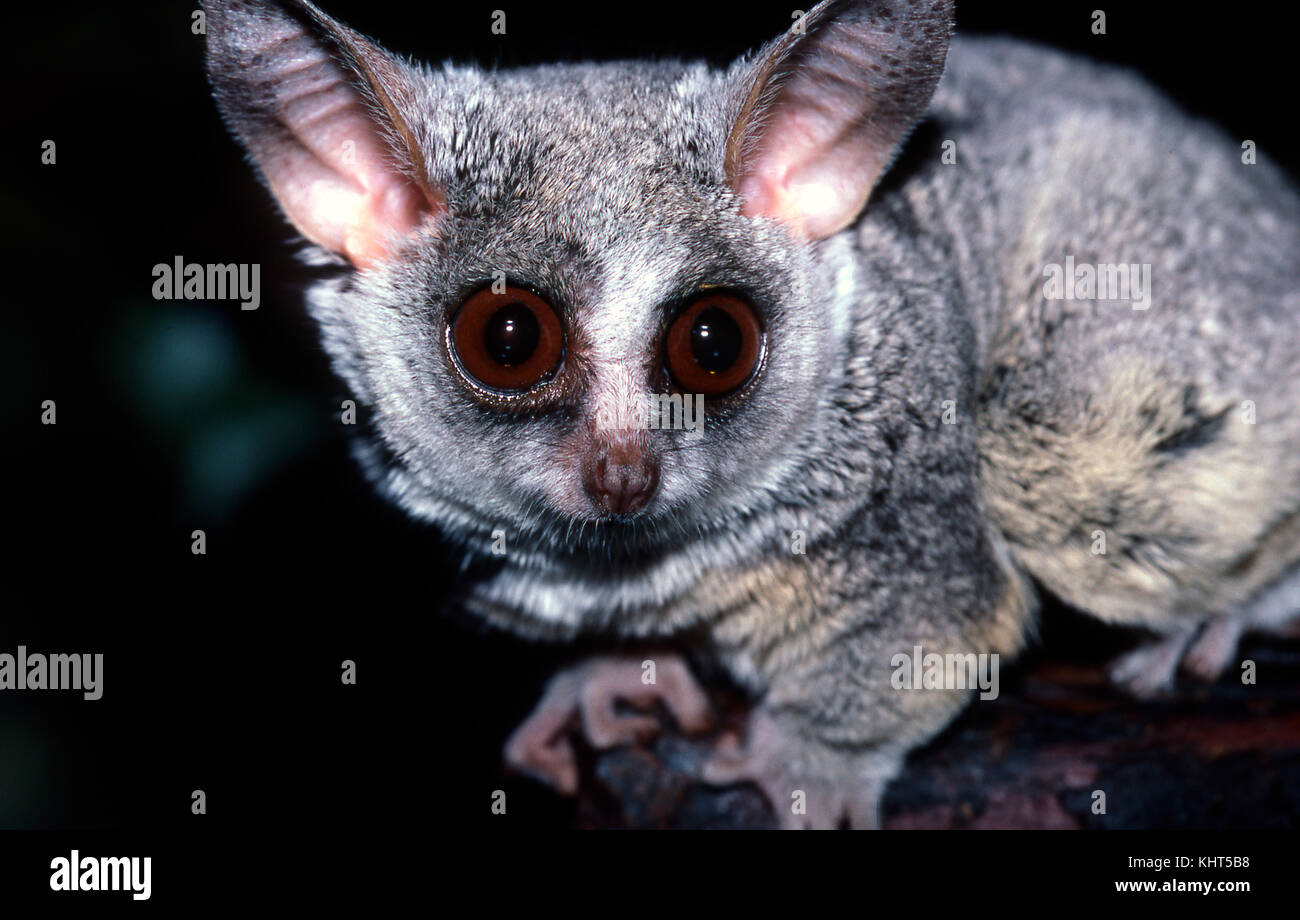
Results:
[686, 701]
[1213, 650]
[548, 758]
[540, 746]
[1148, 671]
[606, 728]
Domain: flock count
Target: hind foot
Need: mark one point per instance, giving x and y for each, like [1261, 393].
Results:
[591, 697]
[1205, 652]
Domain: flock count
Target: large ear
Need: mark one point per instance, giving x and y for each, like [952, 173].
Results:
[321, 111]
[826, 105]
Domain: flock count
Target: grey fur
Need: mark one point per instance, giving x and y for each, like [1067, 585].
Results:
[605, 186]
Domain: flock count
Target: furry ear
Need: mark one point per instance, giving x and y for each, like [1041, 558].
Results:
[827, 104]
[320, 110]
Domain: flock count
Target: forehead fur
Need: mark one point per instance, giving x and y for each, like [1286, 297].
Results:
[613, 138]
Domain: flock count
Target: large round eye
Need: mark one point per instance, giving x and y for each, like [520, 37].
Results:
[714, 344]
[507, 341]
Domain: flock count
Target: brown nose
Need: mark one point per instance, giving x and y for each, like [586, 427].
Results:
[621, 477]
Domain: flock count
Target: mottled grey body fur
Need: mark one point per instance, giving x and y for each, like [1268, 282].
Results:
[606, 186]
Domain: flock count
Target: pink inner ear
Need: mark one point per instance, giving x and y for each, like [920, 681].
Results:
[322, 111]
[335, 176]
[808, 171]
[827, 107]
[389, 210]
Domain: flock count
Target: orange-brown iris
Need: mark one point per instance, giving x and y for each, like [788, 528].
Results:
[510, 341]
[714, 345]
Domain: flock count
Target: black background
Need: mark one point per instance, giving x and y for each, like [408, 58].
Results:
[222, 671]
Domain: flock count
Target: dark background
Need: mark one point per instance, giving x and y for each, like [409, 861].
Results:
[222, 671]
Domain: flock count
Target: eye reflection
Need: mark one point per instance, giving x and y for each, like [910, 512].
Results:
[714, 345]
[512, 334]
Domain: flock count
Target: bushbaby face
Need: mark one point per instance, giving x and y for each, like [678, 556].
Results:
[537, 257]
[584, 265]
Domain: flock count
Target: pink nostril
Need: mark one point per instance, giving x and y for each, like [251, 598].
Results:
[622, 488]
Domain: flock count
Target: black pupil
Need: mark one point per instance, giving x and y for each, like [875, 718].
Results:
[715, 340]
[511, 335]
